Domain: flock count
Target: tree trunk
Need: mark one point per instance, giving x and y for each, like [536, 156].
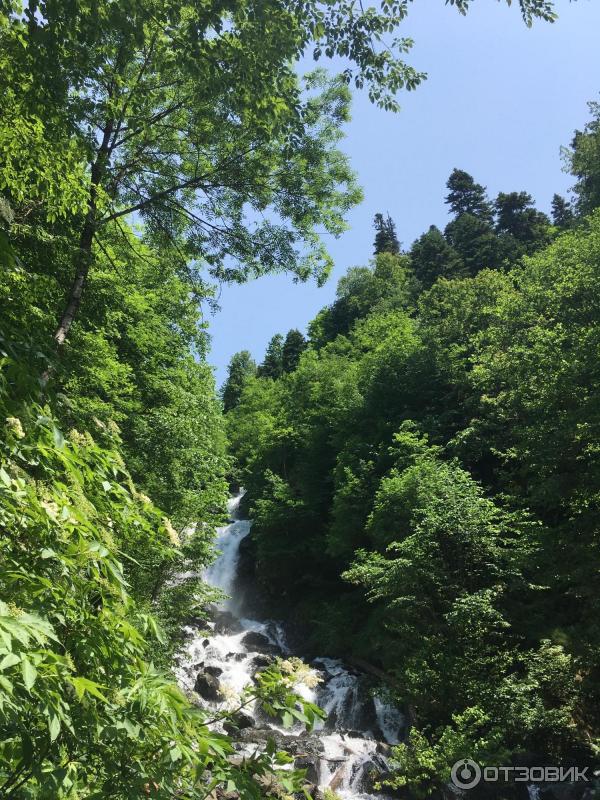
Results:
[82, 268]
[83, 261]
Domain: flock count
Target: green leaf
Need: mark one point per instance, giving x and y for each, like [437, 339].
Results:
[59, 439]
[29, 673]
[10, 660]
[175, 753]
[54, 726]
[83, 685]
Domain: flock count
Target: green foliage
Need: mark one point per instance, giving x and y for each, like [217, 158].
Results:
[524, 229]
[582, 160]
[241, 367]
[425, 486]
[83, 710]
[272, 366]
[432, 257]
[465, 196]
[386, 239]
[562, 212]
[476, 242]
[388, 284]
[130, 361]
[293, 347]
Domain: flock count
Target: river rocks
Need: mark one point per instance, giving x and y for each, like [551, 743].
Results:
[207, 686]
[309, 763]
[258, 642]
[211, 669]
[225, 622]
[303, 745]
[236, 656]
[238, 722]
[368, 773]
[261, 661]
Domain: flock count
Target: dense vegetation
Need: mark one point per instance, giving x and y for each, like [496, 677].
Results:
[149, 150]
[140, 146]
[424, 483]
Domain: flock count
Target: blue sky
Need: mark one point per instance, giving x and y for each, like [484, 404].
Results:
[499, 102]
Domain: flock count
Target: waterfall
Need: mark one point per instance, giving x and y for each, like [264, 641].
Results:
[348, 748]
[222, 572]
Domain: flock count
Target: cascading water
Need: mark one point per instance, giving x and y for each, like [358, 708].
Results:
[348, 747]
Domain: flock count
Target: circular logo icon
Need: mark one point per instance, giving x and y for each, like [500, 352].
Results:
[465, 774]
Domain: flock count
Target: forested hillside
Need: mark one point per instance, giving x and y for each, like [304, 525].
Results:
[141, 145]
[422, 470]
[424, 474]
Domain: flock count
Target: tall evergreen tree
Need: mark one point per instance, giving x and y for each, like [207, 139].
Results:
[386, 239]
[293, 347]
[516, 215]
[241, 367]
[476, 241]
[467, 197]
[272, 366]
[432, 257]
[562, 212]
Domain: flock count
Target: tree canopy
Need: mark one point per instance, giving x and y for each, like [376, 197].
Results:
[424, 484]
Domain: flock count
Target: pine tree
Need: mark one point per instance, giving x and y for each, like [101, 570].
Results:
[241, 367]
[467, 197]
[562, 212]
[293, 347]
[386, 240]
[272, 366]
[432, 258]
[523, 228]
[476, 242]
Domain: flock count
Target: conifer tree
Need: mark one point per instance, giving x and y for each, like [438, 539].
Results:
[432, 258]
[467, 197]
[562, 212]
[523, 229]
[293, 347]
[272, 366]
[386, 240]
[241, 367]
[476, 241]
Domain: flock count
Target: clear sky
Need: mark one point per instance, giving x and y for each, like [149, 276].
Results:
[499, 102]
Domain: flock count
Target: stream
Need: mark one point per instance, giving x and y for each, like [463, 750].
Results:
[347, 749]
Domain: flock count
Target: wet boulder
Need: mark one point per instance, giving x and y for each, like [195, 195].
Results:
[226, 623]
[261, 661]
[236, 656]
[367, 773]
[303, 745]
[239, 721]
[309, 763]
[208, 687]
[257, 642]
[213, 670]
